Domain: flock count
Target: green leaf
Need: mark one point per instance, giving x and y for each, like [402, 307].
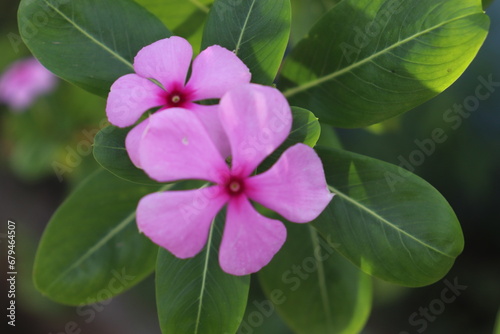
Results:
[305, 129]
[496, 330]
[110, 153]
[91, 249]
[195, 295]
[315, 289]
[257, 31]
[89, 43]
[369, 60]
[387, 221]
[185, 18]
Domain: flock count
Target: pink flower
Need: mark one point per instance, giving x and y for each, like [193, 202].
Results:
[176, 146]
[23, 82]
[214, 72]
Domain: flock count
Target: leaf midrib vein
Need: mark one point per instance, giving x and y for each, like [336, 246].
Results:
[243, 29]
[110, 147]
[89, 36]
[385, 221]
[292, 91]
[117, 229]
[204, 278]
[321, 280]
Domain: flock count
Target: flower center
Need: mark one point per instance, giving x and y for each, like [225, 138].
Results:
[175, 99]
[235, 186]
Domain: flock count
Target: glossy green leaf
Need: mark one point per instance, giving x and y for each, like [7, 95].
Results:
[256, 30]
[305, 129]
[389, 222]
[369, 60]
[315, 289]
[110, 153]
[89, 43]
[185, 18]
[91, 249]
[195, 295]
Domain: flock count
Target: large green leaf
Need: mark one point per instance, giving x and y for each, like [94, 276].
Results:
[195, 295]
[185, 18]
[257, 31]
[315, 289]
[91, 249]
[110, 153]
[90, 43]
[368, 60]
[389, 222]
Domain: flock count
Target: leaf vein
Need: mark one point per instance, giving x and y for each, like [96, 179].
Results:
[89, 36]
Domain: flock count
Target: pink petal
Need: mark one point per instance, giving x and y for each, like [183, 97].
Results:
[130, 97]
[209, 117]
[166, 61]
[257, 119]
[215, 71]
[250, 240]
[295, 186]
[179, 221]
[176, 146]
[133, 140]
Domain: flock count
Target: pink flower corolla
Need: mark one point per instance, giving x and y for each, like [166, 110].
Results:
[176, 146]
[23, 82]
[160, 80]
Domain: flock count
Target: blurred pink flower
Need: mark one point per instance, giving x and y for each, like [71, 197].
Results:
[167, 61]
[23, 82]
[176, 146]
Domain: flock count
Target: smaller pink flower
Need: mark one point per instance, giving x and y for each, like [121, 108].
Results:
[176, 146]
[23, 82]
[167, 62]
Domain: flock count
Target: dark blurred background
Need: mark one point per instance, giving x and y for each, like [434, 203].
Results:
[465, 169]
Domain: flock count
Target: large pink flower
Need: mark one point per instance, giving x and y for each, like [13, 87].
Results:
[23, 82]
[176, 146]
[160, 81]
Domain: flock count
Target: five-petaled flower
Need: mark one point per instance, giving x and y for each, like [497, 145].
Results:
[23, 82]
[160, 81]
[176, 146]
